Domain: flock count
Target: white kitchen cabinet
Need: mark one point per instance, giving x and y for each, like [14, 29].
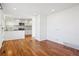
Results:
[14, 35]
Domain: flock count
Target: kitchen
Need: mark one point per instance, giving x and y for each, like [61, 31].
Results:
[16, 28]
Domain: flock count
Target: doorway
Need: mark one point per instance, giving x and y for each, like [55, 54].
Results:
[18, 28]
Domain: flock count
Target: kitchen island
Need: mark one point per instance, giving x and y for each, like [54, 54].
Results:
[12, 35]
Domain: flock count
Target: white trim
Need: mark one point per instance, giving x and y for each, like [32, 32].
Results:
[63, 43]
[56, 41]
[67, 44]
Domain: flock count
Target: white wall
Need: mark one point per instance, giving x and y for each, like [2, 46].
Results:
[63, 27]
[1, 25]
[33, 26]
[43, 26]
[39, 27]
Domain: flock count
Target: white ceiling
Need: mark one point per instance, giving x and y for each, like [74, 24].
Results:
[29, 9]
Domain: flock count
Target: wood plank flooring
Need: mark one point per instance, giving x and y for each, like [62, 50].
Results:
[32, 47]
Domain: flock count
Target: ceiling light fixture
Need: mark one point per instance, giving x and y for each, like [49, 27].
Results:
[53, 10]
[14, 8]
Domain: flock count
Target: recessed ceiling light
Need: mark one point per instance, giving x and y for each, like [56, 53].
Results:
[53, 10]
[14, 8]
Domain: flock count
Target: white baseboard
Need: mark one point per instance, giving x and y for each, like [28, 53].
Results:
[38, 39]
[67, 44]
[71, 45]
[56, 41]
[63, 43]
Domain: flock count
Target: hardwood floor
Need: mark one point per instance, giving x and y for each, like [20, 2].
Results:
[28, 47]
